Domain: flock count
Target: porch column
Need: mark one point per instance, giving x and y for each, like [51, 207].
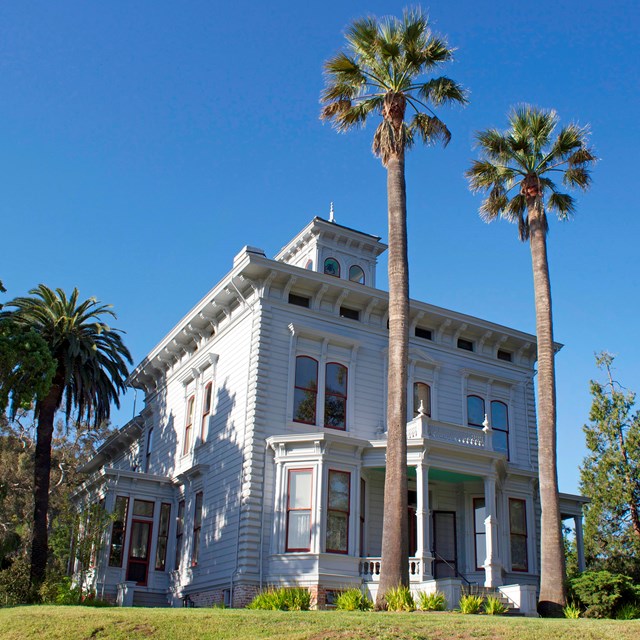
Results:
[423, 551]
[318, 525]
[492, 565]
[579, 542]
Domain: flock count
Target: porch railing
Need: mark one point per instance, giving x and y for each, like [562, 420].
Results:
[370, 569]
[424, 427]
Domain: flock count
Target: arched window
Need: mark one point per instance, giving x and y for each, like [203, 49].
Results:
[356, 274]
[500, 426]
[475, 411]
[335, 396]
[306, 390]
[309, 264]
[332, 267]
[421, 394]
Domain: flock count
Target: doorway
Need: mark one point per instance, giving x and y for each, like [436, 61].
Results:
[445, 564]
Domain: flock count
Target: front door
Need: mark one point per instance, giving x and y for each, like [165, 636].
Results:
[444, 544]
[139, 545]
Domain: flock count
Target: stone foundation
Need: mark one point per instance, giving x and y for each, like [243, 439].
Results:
[243, 594]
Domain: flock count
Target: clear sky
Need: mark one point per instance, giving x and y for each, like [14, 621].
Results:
[142, 144]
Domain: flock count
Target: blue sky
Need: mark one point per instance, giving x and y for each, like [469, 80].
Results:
[144, 143]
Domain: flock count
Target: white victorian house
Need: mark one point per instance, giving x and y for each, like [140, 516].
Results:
[259, 456]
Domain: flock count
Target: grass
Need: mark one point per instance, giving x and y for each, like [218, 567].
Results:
[85, 623]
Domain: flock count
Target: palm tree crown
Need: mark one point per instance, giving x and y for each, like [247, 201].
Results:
[91, 357]
[382, 73]
[517, 166]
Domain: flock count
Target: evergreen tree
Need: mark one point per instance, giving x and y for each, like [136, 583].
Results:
[610, 476]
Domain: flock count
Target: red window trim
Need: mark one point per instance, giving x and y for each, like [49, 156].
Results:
[473, 395]
[310, 509]
[336, 395]
[206, 412]
[314, 391]
[524, 535]
[163, 565]
[188, 427]
[324, 266]
[348, 512]
[153, 508]
[364, 275]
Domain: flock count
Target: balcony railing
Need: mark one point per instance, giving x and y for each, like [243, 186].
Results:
[424, 427]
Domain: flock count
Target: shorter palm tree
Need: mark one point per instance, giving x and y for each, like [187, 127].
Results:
[91, 370]
[516, 169]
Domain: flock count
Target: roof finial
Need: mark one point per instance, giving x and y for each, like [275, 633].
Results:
[331, 218]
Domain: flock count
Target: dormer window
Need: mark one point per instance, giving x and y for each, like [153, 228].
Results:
[332, 267]
[356, 274]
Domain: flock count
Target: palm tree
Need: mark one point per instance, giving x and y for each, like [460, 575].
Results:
[381, 74]
[90, 372]
[516, 169]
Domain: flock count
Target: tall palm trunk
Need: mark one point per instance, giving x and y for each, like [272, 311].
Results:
[552, 577]
[41, 477]
[395, 546]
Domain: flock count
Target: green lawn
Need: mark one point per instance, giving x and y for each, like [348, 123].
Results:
[87, 623]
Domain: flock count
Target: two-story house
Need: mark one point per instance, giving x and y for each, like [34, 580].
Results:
[259, 456]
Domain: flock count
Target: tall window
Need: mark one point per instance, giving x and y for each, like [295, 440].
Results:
[147, 457]
[338, 504]
[163, 536]
[179, 534]
[306, 390]
[335, 396]
[475, 411]
[518, 534]
[118, 529]
[197, 526]
[356, 274]
[479, 514]
[188, 427]
[299, 510]
[206, 409]
[332, 267]
[500, 426]
[421, 395]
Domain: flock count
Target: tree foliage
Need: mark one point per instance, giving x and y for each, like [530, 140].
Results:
[610, 475]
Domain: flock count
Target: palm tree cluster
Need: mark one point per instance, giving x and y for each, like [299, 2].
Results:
[383, 73]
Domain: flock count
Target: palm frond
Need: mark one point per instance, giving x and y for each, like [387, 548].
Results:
[577, 177]
[494, 204]
[430, 128]
[439, 91]
[562, 204]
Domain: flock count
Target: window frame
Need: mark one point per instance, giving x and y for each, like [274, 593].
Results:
[122, 529]
[416, 385]
[148, 451]
[161, 556]
[206, 410]
[333, 510]
[363, 277]
[307, 549]
[197, 527]
[179, 534]
[305, 390]
[479, 566]
[521, 536]
[484, 410]
[188, 427]
[324, 267]
[494, 428]
[328, 394]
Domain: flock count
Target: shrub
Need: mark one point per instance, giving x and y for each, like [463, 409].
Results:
[602, 592]
[353, 600]
[435, 601]
[493, 606]
[282, 599]
[572, 611]
[628, 611]
[471, 603]
[400, 599]
[15, 585]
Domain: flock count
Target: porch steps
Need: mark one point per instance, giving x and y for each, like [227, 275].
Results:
[477, 590]
[152, 599]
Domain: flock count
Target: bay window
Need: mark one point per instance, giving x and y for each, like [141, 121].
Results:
[518, 534]
[298, 536]
[338, 503]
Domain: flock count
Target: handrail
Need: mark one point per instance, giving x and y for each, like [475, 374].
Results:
[455, 568]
